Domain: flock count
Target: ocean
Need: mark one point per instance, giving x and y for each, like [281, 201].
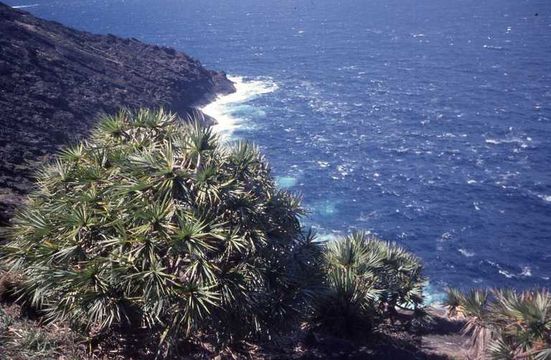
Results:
[425, 122]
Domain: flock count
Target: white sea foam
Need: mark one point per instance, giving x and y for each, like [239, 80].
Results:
[445, 237]
[507, 274]
[526, 271]
[521, 142]
[223, 109]
[24, 6]
[466, 253]
[493, 47]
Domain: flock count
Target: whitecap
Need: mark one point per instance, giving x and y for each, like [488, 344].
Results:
[344, 169]
[466, 253]
[24, 6]
[445, 237]
[519, 141]
[507, 274]
[526, 271]
[492, 47]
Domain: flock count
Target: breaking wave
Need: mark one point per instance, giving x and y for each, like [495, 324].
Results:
[231, 111]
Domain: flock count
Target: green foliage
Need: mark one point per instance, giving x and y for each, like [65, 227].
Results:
[5, 321]
[153, 223]
[366, 279]
[35, 344]
[505, 324]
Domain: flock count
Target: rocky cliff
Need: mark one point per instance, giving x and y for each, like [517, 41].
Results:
[55, 80]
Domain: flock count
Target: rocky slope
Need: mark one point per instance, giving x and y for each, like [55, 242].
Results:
[55, 80]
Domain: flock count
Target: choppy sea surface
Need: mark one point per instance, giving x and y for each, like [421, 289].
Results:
[427, 122]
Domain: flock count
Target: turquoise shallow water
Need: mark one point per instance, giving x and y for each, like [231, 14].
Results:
[427, 122]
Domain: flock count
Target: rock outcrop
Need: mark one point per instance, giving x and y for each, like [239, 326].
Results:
[54, 81]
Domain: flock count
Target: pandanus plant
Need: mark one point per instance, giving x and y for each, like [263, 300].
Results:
[152, 223]
[366, 281]
[505, 324]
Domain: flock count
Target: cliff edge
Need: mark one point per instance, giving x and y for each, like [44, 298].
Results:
[54, 81]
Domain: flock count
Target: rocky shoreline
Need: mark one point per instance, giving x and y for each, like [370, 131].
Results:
[55, 81]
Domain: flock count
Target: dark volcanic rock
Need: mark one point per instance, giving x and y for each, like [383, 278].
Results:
[54, 81]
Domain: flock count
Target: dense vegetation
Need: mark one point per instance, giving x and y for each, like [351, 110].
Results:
[366, 280]
[505, 324]
[153, 224]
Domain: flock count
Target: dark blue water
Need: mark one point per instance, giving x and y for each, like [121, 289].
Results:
[427, 122]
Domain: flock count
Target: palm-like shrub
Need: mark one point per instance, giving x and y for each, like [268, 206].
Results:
[366, 279]
[154, 224]
[505, 324]
[473, 306]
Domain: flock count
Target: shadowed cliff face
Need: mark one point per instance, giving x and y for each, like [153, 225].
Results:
[54, 81]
